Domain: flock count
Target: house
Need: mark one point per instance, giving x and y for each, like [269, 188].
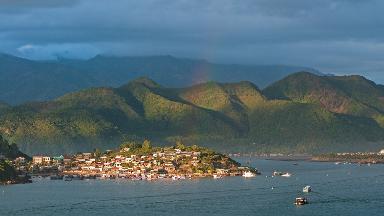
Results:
[58, 159]
[46, 159]
[38, 159]
[67, 160]
[87, 155]
[19, 160]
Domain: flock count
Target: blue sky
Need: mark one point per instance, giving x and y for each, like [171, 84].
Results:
[334, 36]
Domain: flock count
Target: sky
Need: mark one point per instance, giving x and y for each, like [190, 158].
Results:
[333, 36]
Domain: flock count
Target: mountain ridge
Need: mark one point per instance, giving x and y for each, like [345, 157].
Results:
[229, 117]
[23, 80]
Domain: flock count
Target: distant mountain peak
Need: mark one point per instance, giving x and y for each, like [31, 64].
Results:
[144, 80]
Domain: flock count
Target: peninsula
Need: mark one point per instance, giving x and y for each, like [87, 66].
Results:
[140, 161]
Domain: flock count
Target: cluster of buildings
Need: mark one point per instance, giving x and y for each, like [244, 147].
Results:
[163, 163]
[381, 152]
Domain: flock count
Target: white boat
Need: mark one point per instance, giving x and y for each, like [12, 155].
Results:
[307, 189]
[217, 176]
[276, 173]
[286, 175]
[248, 174]
[175, 177]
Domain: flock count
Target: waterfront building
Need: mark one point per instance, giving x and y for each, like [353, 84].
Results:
[38, 159]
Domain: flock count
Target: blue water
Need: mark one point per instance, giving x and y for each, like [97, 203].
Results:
[338, 190]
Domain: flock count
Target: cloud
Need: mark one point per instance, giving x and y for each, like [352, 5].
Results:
[7, 4]
[53, 51]
[337, 36]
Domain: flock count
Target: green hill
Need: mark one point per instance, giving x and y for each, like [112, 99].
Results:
[224, 116]
[352, 95]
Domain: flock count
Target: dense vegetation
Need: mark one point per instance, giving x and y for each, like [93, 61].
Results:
[8, 152]
[352, 95]
[7, 172]
[297, 114]
[23, 80]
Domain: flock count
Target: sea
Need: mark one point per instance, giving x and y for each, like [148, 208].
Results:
[337, 189]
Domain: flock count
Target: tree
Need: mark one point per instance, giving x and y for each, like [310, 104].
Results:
[146, 147]
[131, 145]
[180, 145]
[97, 153]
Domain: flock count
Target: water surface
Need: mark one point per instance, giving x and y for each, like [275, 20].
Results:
[338, 190]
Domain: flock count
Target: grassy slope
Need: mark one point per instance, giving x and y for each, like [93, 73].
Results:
[232, 117]
[353, 95]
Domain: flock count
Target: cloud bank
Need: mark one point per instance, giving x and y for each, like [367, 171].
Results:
[334, 36]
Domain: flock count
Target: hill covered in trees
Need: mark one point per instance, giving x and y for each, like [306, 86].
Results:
[228, 117]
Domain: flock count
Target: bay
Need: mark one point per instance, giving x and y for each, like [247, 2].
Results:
[345, 189]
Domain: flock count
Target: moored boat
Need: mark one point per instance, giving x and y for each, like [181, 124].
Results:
[67, 178]
[215, 176]
[307, 189]
[248, 174]
[301, 201]
[56, 177]
[286, 175]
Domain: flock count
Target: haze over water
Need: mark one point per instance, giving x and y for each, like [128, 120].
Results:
[337, 190]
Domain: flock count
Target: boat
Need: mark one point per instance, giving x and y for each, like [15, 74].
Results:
[217, 176]
[301, 201]
[56, 177]
[77, 177]
[286, 175]
[276, 173]
[248, 174]
[307, 189]
[67, 178]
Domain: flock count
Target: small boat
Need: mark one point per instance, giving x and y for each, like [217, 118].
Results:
[67, 178]
[77, 177]
[56, 177]
[301, 201]
[175, 177]
[307, 189]
[217, 176]
[248, 174]
[275, 173]
[286, 175]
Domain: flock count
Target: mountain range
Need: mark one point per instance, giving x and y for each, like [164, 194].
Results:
[23, 80]
[302, 112]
